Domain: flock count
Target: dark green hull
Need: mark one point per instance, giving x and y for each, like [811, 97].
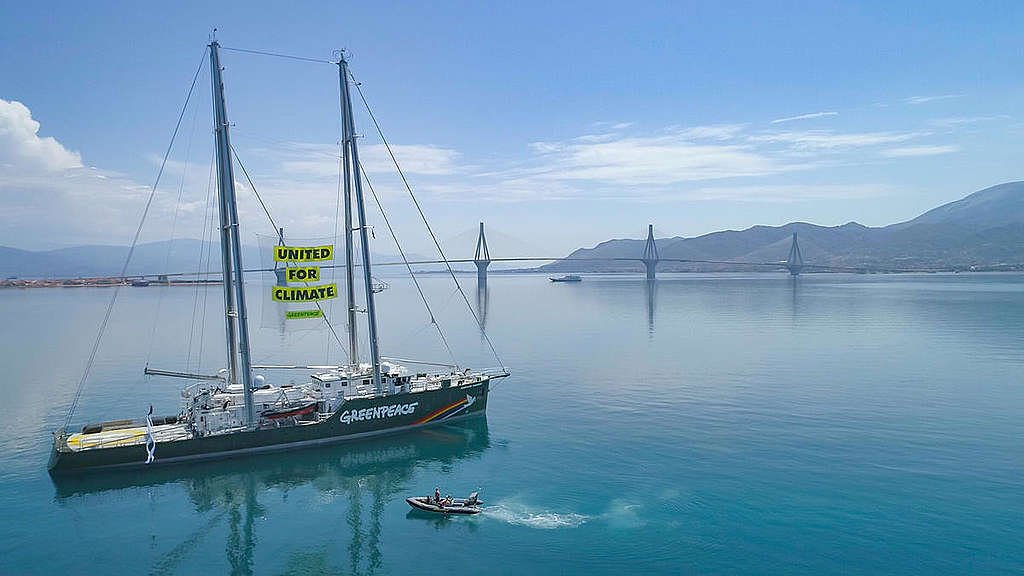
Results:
[357, 418]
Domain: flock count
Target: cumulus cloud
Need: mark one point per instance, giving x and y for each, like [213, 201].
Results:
[51, 198]
[21, 148]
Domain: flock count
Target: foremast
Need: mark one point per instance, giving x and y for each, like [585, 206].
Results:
[235, 315]
[351, 160]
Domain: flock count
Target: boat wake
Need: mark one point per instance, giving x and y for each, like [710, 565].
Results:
[520, 515]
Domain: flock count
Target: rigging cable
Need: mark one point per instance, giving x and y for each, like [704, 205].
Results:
[278, 55]
[198, 282]
[276, 229]
[408, 266]
[337, 210]
[423, 216]
[131, 250]
[174, 227]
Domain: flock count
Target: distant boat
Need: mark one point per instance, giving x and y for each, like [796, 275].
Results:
[567, 278]
[140, 283]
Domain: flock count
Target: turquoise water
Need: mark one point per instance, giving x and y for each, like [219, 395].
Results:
[721, 424]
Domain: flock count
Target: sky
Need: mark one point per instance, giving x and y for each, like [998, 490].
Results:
[559, 125]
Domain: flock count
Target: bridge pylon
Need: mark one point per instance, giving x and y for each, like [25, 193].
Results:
[795, 260]
[482, 257]
[650, 256]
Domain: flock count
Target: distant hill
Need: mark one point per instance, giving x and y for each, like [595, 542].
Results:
[985, 229]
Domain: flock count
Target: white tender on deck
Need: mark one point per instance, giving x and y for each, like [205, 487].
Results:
[126, 436]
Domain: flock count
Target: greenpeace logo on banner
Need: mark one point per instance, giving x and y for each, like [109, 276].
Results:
[377, 412]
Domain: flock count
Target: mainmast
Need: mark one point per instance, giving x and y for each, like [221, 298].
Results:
[349, 127]
[347, 142]
[236, 323]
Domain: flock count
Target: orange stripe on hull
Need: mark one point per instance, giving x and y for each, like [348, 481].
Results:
[441, 411]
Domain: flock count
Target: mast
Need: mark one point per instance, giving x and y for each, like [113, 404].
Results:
[350, 284]
[371, 312]
[236, 321]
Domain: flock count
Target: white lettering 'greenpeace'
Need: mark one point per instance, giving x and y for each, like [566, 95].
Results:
[349, 416]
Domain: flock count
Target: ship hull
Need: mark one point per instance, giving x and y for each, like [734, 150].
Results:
[356, 418]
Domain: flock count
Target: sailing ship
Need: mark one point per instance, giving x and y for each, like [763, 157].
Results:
[235, 412]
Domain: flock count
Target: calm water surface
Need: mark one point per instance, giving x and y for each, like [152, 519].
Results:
[707, 425]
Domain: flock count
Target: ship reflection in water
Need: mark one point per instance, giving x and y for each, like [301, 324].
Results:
[362, 477]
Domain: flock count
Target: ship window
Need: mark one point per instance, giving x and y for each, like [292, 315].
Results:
[366, 382]
[327, 385]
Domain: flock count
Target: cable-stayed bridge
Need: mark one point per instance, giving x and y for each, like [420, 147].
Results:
[648, 257]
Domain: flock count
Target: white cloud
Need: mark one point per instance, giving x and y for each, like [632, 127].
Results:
[804, 117]
[49, 198]
[413, 158]
[710, 132]
[611, 125]
[926, 99]
[950, 122]
[910, 151]
[828, 140]
[656, 160]
[322, 160]
[22, 149]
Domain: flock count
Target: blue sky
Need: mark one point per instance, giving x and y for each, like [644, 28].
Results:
[561, 124]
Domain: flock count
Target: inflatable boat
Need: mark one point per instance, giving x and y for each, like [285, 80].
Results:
[469, 505]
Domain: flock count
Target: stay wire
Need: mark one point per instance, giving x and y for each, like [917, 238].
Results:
[276, 229]
[131, 250]
[198, 283]
[337, 210]
[174, 228]
[423, 217]
[278, 55]
[408, 266]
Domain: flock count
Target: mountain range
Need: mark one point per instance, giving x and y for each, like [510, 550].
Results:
[984, 230]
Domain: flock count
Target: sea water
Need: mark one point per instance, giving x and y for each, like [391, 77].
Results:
[705, 424]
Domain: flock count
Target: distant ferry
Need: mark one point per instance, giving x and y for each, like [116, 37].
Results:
[567, 278]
